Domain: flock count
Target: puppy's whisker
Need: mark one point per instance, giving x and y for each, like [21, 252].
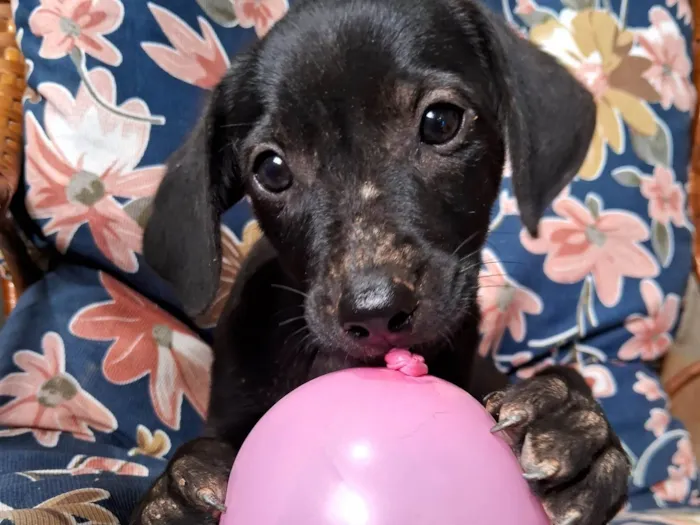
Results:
[290, 289]
[238, 125]
[502, 261]
[507, 261]
[470, 266]
[300, 330]
[446, 336]
[301, 346]
[468, 256]
[279, 312]
[465, 241]
[292, 320]
[506, 232]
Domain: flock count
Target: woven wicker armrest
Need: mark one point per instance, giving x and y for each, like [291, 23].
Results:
[16, 266]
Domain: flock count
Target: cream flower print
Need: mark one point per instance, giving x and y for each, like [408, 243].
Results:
[47, 401]
[651, 337]
[65, 25]
[154, 444]
[591, 44]
[670, 71]
[69, 508]
[503, 304]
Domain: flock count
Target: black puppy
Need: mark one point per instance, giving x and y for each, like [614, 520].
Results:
[370, 136]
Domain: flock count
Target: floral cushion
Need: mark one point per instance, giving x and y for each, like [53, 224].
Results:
[102, 375]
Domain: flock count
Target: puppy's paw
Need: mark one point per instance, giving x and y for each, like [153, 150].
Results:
[192, 490]
[567, 449]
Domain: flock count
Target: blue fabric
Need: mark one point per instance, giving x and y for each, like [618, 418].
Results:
[88, 345]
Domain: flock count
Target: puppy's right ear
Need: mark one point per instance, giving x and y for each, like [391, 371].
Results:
[182, 240]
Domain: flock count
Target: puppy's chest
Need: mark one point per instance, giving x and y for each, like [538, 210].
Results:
[286, 371]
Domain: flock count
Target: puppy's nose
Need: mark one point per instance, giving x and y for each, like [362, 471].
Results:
[375, 305]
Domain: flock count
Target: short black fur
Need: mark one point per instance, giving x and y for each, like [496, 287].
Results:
[376, 242]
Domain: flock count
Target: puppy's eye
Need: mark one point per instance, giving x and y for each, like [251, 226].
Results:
[272, 172]
[441, 123]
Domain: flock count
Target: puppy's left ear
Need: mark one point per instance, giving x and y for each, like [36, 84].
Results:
[547, 116]
[182, 239]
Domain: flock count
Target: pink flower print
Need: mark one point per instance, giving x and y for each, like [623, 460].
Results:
[666, 199]
[197, 60]
[685, 12]
[684, 458]
[507, 171]
[648, 387]
[694, 500]
[47, 400]
[260, 14]
[651, 338]
[670, 70]
[82, 465]
[146, 341]
[65, 25]
[599, 379]
[508, 205]
[525, 7]
[88, 158]
[503, 303]
[520, 358]
[658, 421]
[530, 371]
[233, 252]
[606, 246]
[675, 489]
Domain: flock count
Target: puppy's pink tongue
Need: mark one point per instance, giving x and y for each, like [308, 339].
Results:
[405, 362]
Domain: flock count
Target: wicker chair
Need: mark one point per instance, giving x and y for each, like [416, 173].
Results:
[17, 270]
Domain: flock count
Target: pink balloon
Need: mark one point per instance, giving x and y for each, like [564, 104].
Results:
[373, 446]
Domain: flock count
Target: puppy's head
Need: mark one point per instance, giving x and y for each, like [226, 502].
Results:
[370, 136]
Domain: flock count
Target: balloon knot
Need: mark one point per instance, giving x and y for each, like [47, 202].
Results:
[406, 362]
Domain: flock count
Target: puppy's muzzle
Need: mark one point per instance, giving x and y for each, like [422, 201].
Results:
[377, 308]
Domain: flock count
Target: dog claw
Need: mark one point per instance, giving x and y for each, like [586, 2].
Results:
[489, 396]
[211, 500]
[571, 519]
[545, 471]
[508, 422]
[537, 475]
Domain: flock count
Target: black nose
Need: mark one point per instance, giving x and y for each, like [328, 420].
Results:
[375, 304]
